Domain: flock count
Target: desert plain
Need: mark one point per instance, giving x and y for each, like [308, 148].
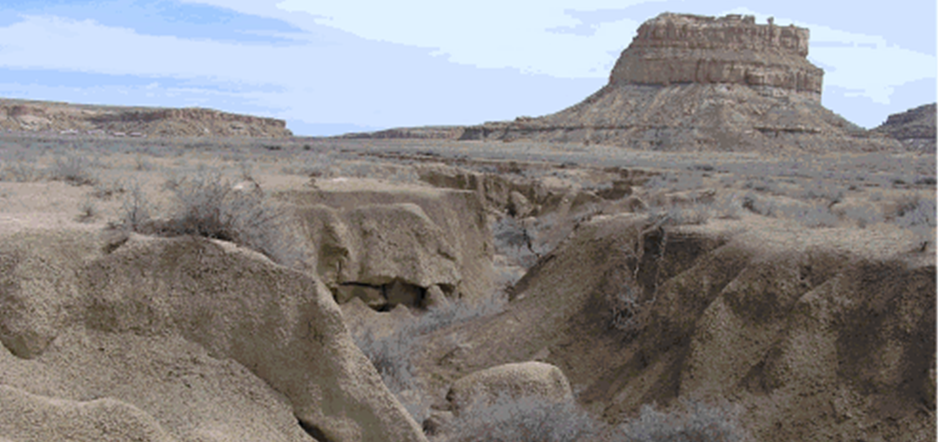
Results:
[692, 253]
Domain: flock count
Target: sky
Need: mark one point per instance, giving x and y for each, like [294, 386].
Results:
[329, 67]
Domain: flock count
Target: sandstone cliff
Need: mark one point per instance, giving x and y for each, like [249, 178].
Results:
[915, 128]
[677, 48]
[66, 118]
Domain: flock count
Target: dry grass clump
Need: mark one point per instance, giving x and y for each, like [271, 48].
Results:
[692, 421]
[106, 190]
[525, 419]
[208, 205]
[20, 171]
[73, 169]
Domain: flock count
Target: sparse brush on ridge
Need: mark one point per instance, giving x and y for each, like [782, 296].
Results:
[20, 171]
[525, 419]
[208, 205]
[691, 421]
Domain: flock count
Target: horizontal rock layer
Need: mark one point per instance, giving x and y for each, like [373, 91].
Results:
[675, 48]
[74, 119]
[915, 128]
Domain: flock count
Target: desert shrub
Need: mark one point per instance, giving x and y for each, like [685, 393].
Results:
[824, 190]
[915, 211]
[675, 181]
[142, 164]
[87, 211]
[514, 241]
[207, 205]
[727, 206]
[761, 185]
[527, 418]
[691, 421]
[864, 216]
[136, 209]
[20, 171]
[628, 311]
[695, 214]
[313, 165]
[73, 169]
[105, 190]
[815, 215]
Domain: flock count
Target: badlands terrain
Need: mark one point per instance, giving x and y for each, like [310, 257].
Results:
[698, 251]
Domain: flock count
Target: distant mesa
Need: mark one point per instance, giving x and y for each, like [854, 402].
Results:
[915, 128]
[134, 122]
[696, 83]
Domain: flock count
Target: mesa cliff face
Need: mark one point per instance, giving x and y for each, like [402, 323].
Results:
[693, 83]
[678, 48]
[915, 128]
[66, 118]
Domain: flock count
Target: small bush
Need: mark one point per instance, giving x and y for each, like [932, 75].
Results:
[692, 421]
[87, 211]
[627, 310]
[73, 169]
[105, 190]
[20, 171]
[523, 419]
[208, 206]
[142, 164]
[136, 209]
[916, 211]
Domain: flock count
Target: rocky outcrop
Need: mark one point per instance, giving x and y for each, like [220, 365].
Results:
[680, 48]
[420, 133]
[76, 119]
[389, 244]
[79, 320]
[915, 128]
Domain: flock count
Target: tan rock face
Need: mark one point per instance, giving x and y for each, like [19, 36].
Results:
[680, 48]
[281, 325]
[915, 128]
[75, 119]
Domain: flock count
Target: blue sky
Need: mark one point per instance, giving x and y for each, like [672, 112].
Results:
[333, 67]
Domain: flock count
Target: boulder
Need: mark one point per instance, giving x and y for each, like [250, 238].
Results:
[518, 205]
[525, 379]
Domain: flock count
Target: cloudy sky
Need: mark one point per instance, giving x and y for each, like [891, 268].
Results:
[329, 67]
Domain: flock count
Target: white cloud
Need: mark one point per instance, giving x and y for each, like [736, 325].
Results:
[485, 33]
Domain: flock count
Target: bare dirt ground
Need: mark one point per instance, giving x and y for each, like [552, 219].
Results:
[739, 296]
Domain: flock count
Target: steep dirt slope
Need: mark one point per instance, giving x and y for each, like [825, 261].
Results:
[821, 334]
